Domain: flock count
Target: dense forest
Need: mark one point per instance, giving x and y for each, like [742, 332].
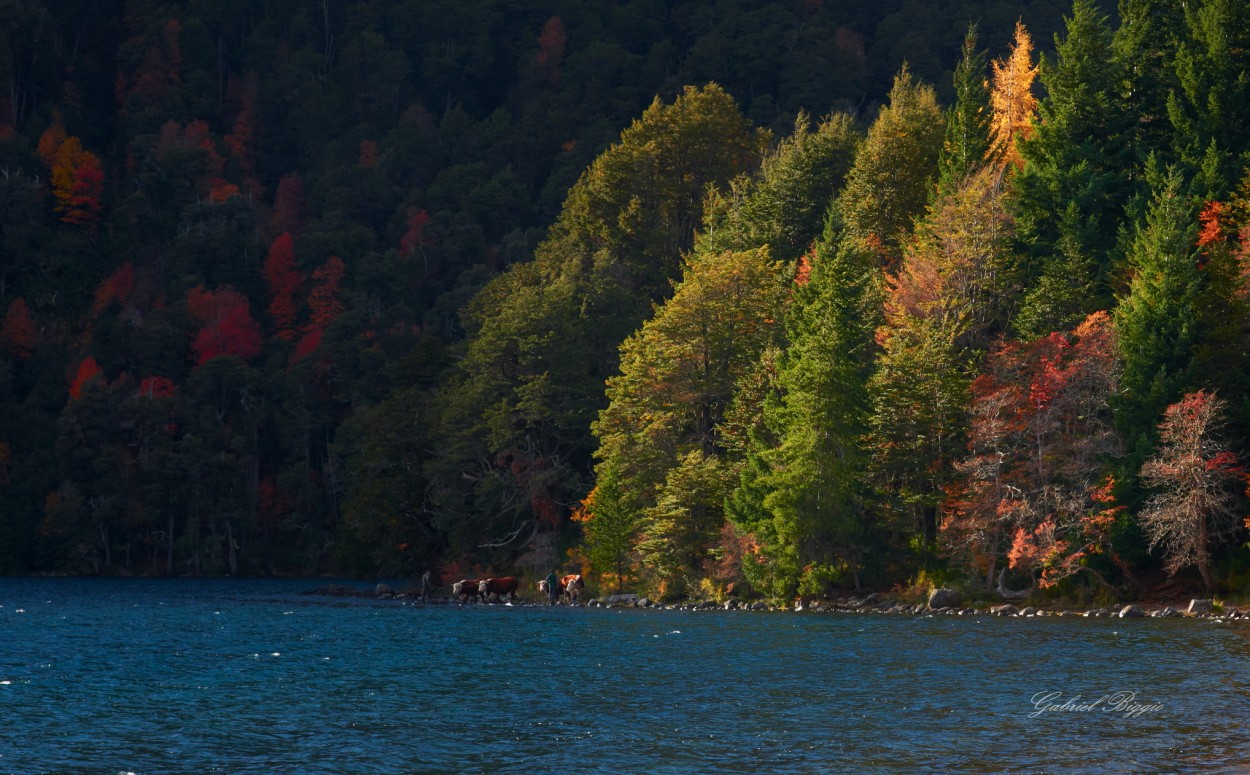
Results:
[789, 296]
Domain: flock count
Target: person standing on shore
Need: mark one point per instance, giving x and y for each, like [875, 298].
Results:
[553, 587]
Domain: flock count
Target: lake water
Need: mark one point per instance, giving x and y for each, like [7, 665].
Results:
[158, 676]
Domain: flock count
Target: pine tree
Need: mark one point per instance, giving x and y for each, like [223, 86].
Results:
[1158, 322]
[1211, 110]
[803, 498]
[1071, 192]
[967, 121]
[1145, 47]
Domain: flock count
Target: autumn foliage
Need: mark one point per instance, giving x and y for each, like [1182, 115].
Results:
[227, 324]
[88, 370]
[17, 335]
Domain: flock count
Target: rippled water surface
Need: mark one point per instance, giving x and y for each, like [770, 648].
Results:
[250, 676]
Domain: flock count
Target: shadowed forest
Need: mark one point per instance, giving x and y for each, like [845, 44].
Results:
[789, 296]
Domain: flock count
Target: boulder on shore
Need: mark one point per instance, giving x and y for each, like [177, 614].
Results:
[1004, 610]
[945, 598]
[1131, 612]
[1201, 606]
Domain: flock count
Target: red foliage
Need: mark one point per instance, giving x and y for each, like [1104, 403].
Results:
[288, 206]
[368, 153]
[284, 284]
[551, 44]
[414, 238]
[229, 328]
[87, 371]
[156, 387]
[116, 287]
[17, 336]
[308, 344]
[1040, 428]
[323, 299]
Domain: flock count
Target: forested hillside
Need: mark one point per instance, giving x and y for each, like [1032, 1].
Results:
[789, 295]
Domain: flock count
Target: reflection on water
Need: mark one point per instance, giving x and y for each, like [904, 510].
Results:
[249, 676]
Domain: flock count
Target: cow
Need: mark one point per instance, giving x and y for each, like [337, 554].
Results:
[505, 587]
[571, 587]
[465, 589]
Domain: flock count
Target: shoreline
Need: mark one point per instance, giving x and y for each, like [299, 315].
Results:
[871, 604]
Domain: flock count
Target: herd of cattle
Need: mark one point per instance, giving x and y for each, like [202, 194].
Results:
[505, 589]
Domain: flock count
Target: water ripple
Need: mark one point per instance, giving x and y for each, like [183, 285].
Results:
[198, 676]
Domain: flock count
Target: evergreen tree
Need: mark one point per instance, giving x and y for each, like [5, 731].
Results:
[784, 204]
[1211, 109]
[1071, 192]
[803, 499]
[967, 121]
[1145, 47]
[1158, 322]
[888, 186]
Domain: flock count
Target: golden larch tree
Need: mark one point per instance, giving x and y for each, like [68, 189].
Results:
[1012, 100]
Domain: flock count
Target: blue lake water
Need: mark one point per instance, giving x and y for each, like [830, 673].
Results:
[159, 676]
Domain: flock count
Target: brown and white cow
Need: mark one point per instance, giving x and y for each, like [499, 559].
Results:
[465, 589]
[505, 587]
[571, 587]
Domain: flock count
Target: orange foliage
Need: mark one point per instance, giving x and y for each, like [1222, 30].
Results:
[1012, 100]
[17, 336]
[77, 175]
[1211, 230]
[551, 44]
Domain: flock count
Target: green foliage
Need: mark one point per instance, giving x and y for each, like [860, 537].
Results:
[783, 206]
[1158, 322]
[802, 497]
[968, 120]
[888, 186]
[1076, 179]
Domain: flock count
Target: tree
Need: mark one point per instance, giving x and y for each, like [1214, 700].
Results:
[967, 141]
[1074, 182]
[227, 325]
[949, 299]
[1012, 99]
[678, 375]
[888, 186]
[1158, 322]
[1145, 47]
[284, 284]
[610, 525]
[18, 334]
[1197, 508]
[801, 493]
[784, 204]
[1040, 442]
[544, 336]
[1210, 110]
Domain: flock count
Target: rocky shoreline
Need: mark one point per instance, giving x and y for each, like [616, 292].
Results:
[941, 603]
